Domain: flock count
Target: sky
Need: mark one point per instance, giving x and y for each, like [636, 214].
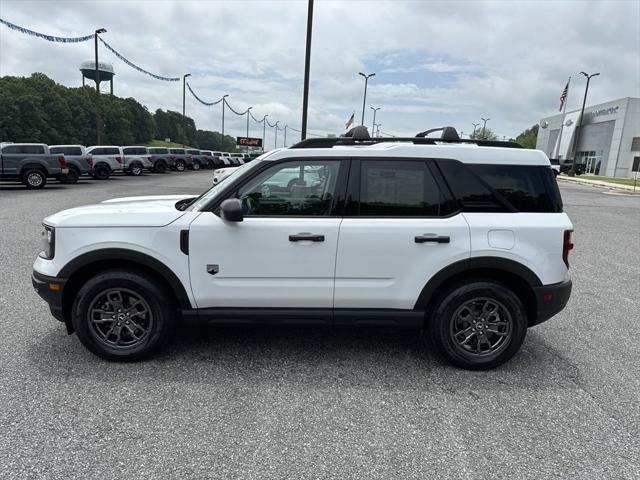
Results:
[436, 63]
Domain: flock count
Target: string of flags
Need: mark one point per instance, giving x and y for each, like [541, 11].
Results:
[85, 38]
[208, 104]
[51, 38]
[134, 66]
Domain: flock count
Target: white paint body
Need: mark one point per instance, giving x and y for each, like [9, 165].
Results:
[363, 262]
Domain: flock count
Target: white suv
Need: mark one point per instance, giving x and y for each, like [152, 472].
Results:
[465, 240]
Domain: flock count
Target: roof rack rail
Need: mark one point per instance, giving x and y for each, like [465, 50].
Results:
[360, 136]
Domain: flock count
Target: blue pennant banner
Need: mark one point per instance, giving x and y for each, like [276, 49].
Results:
[50, 38]
[200, 100]
[133, 65]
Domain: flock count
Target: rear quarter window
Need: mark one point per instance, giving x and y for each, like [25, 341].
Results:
[526, 187]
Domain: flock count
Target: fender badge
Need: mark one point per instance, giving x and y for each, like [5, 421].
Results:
[213, 269]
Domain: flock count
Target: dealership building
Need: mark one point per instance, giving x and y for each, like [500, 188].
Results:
[609, 143]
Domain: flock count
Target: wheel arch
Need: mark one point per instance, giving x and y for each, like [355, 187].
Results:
[80, 269]
[513, 275]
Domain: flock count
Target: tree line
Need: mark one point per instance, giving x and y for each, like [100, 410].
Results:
[37, 109]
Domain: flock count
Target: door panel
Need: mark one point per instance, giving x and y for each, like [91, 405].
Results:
[258, 266]
[381, 265]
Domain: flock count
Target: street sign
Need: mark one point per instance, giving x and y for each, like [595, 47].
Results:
[249, 142]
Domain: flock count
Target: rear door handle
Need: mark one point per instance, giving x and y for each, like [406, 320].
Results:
[306, 236]
[432, 237]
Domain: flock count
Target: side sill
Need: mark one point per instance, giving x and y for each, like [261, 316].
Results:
[304, 316]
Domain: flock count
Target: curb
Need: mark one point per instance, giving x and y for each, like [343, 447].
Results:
[611, 186]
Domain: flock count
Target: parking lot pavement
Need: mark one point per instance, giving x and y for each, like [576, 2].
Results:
[321, 403]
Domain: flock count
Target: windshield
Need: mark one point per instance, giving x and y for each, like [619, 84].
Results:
[213, 192]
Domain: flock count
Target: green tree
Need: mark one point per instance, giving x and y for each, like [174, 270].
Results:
[528, 138]
[488, 134]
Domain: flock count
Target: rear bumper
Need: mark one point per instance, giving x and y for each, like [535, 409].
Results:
[50, 290]
[550, 300]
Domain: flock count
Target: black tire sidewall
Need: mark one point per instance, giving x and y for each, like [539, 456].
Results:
[133, 168]
[180, 166]
[71, 177]
[438, 326]
[31, 171]
[161, 167]
[196, 166]
[163, 313]
[101, 172]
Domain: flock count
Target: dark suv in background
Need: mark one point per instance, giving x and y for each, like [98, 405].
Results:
[160, 159]
[182, 160]
[78, 162]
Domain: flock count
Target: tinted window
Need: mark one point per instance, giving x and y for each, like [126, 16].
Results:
[292, 188]
[176, 151]
[66, 150]
[97, 151]
[159, 151]
[398, 188]
[32, 149]
[523, 186]
[11, 149]
[193, 152]
[471, 194]
[111, 151]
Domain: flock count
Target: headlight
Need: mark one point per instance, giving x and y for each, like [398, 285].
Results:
[48, 242]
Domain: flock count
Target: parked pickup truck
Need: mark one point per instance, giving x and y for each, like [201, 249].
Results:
[31, 164]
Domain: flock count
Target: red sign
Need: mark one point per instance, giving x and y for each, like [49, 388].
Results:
[249, 142]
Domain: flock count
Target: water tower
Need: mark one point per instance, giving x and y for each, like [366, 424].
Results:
[105, 73]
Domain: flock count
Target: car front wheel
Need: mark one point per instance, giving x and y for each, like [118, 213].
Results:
[136, 169]
[101, 172]
[478, 325]
[123, 315]
[180, 166]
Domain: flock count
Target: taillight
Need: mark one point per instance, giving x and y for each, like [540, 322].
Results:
[150, 157]
[567, 246]
[89, 160]
[189, 157]
[62, 161]
[119, 159]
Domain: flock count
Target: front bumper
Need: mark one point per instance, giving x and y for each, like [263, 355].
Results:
[50, 290]
[550, 300]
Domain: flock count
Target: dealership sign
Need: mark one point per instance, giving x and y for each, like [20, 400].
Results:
[604, 111]
[249, 142]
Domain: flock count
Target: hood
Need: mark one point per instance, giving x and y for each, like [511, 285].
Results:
[152, 211]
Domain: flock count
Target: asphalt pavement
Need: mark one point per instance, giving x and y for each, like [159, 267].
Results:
[299, 403]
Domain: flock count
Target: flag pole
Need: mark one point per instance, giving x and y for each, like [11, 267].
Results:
[564, 109]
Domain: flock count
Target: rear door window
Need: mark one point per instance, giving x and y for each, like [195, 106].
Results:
[398, 188]
[33, 149]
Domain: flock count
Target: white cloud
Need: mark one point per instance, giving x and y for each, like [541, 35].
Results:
[505, 60]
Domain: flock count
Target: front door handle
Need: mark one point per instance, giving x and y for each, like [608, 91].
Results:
[431, 237]
[306, 236]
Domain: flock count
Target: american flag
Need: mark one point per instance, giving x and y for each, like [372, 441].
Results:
[350, 121]
[563, 96]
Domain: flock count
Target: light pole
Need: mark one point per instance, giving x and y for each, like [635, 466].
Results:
[475, 125]
[184, 118]
[307, 65]
[364, 100]
[223, 103]
[373, 125]
[275, 143]
[264, 127]
[248, 110]
[572, 172]
[285, 135]
[98, 120]
[484, 126]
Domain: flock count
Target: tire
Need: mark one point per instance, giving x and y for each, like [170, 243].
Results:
[135, 169]
[196, 166]
[71, 177]
[477, 325]
[101, 172]
[160, 167]
[34, 178]
[180, 166]
[151, 318]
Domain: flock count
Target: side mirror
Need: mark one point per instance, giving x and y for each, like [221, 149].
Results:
[231, 210]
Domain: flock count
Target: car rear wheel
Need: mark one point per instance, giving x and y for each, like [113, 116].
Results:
[101, 172]
[123, 315]
[196, 165]
[34, 178]
[478, 325]
[71, 177]
[180, 165]
[160, 167]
